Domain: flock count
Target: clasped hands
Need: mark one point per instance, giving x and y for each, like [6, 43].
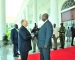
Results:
[32, 35]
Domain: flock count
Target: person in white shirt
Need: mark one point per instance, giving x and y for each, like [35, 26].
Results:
[55, 36]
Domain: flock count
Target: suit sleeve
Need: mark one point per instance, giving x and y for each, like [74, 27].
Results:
[12, 36]
[24, 36]
[49, 33]
[32, 31]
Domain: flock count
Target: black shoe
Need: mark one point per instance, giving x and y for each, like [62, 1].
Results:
[33, 51]
[72, 45]
[55, 48]
[16, 56]
[62, 47]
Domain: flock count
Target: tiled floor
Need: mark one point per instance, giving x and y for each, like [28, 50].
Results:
[6, 52]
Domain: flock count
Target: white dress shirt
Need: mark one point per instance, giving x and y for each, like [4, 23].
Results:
[55, 32]
[41, 23]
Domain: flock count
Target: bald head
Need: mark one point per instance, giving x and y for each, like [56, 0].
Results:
[54, 25]
[24, 22]
[16, 26]
[62, 24]
[44, 16]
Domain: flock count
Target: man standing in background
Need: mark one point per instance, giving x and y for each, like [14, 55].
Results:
[62, 35]
[73, 34]
[44, 38]
[55, 36]
[14, 39]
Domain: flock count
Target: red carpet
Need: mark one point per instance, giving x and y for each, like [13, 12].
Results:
[61, 54]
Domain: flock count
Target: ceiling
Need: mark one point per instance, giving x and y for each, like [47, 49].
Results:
[40, 3]
[13, 8]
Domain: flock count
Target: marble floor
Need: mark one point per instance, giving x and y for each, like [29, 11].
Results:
[6, 52]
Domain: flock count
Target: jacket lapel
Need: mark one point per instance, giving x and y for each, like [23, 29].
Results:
[26, 30]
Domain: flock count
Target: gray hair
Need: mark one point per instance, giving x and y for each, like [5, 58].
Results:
[22, 21]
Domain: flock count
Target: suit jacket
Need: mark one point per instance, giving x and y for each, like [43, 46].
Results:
[24, 40]
[14, 36]
[73, 31]
[45, 34]
[34, 30]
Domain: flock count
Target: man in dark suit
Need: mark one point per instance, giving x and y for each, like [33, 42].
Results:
[44, 38]
[14, 39]
[73, 34]
[24, 40]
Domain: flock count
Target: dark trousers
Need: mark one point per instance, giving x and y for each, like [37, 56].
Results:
[44, 54]
[24, 55]
[15, 49]
[72, 40]
[62, 41]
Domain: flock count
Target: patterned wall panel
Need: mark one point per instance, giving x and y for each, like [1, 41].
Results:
[67, 4]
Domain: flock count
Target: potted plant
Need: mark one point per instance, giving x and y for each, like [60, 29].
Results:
[5, 40]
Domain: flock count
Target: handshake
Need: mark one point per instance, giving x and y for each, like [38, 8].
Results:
[32, 35]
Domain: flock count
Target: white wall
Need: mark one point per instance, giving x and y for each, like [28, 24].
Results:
[44, 9]
[60, 3]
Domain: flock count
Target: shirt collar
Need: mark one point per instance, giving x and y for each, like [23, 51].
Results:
[45, 21]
